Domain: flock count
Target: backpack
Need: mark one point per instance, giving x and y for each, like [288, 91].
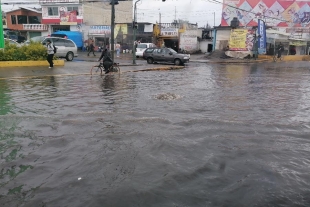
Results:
[55, 49]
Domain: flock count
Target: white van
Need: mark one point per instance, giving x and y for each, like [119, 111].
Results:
[143, 46]
[66, 48]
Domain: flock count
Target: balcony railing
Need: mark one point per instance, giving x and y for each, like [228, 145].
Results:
[35, 27]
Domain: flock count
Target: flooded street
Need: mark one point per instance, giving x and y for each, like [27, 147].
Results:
[207, 135]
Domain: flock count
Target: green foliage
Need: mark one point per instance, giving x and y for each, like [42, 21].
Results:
[32, 51]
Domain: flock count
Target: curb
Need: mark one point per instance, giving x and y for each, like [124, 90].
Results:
[241, 62]
[30, 63]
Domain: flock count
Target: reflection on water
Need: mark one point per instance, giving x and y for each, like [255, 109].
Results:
[221, 135]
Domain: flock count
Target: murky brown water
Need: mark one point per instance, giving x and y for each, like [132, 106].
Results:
[204, 136]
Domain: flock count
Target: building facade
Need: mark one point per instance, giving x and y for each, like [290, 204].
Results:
[27, 21]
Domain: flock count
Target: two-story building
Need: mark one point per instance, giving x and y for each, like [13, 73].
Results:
[27, 21]
[92, 18]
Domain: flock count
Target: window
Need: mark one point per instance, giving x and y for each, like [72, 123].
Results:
[34, 20]
[52, 11]
[13, 19]
[58, 42]
[69, 43]
[73, 8]
[21, 19]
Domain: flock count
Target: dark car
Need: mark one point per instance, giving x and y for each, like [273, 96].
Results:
[166, 55]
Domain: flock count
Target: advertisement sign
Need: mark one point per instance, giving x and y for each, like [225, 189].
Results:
[280, 13]
[241, 40]
[172, 32]
[261, 37]
[100, 29]
[120, 29]
[68, 18]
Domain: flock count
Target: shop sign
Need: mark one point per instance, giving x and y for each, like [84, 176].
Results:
[100, 29]
[171, 32]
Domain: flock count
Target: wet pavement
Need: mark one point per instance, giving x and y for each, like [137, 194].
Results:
[205, 135]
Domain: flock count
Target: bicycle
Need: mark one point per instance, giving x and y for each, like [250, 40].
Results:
[275, 58]
[114, 68]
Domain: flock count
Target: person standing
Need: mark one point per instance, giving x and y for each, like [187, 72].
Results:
[91, 48]
[280, 49]
[118, 49]
[50, 53]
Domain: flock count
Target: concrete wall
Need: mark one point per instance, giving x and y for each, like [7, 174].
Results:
[188, 40]
[99, 13]
[222, 38]
[204, 44]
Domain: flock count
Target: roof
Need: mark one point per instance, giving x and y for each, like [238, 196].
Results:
[26, 8]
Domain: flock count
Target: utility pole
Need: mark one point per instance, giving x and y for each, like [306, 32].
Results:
[112, 29]
[1, 30]
[214, 19]
[134, 33]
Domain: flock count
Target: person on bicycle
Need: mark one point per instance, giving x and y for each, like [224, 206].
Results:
[280, 49]
[106, 60]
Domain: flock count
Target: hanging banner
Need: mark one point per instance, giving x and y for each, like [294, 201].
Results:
[241, 40]
[261, 37]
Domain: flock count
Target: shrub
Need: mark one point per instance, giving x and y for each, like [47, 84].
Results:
[33, 51]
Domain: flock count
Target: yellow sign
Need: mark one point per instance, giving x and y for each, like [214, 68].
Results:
[120, 28]
[298, 43]
[238, 39]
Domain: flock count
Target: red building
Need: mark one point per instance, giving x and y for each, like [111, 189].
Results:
[27, 21]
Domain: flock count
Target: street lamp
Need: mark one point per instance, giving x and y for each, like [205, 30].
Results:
[1, 30]
[113, 3]
[134, 27]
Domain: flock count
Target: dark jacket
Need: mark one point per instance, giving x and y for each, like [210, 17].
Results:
[105, 55]
[106, 59]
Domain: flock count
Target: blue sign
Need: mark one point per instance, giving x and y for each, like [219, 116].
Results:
[261, 37]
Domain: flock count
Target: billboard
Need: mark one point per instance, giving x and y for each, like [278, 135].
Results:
[241, 40]
[68, 18]
[280, 13]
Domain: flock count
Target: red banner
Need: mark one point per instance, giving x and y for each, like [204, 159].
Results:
[280, 13]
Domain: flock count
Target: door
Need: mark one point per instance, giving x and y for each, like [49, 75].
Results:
[158, 55]
[167, 55]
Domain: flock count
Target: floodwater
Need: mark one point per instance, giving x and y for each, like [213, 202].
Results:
[208, 135]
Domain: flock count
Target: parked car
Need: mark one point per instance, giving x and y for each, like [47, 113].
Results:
[66, 48]
[10, 41]
[141, 47]
[167, 55]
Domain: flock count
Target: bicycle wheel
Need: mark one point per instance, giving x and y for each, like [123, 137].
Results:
[281, 58]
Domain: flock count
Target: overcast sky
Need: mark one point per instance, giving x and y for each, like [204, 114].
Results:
[195, 11]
